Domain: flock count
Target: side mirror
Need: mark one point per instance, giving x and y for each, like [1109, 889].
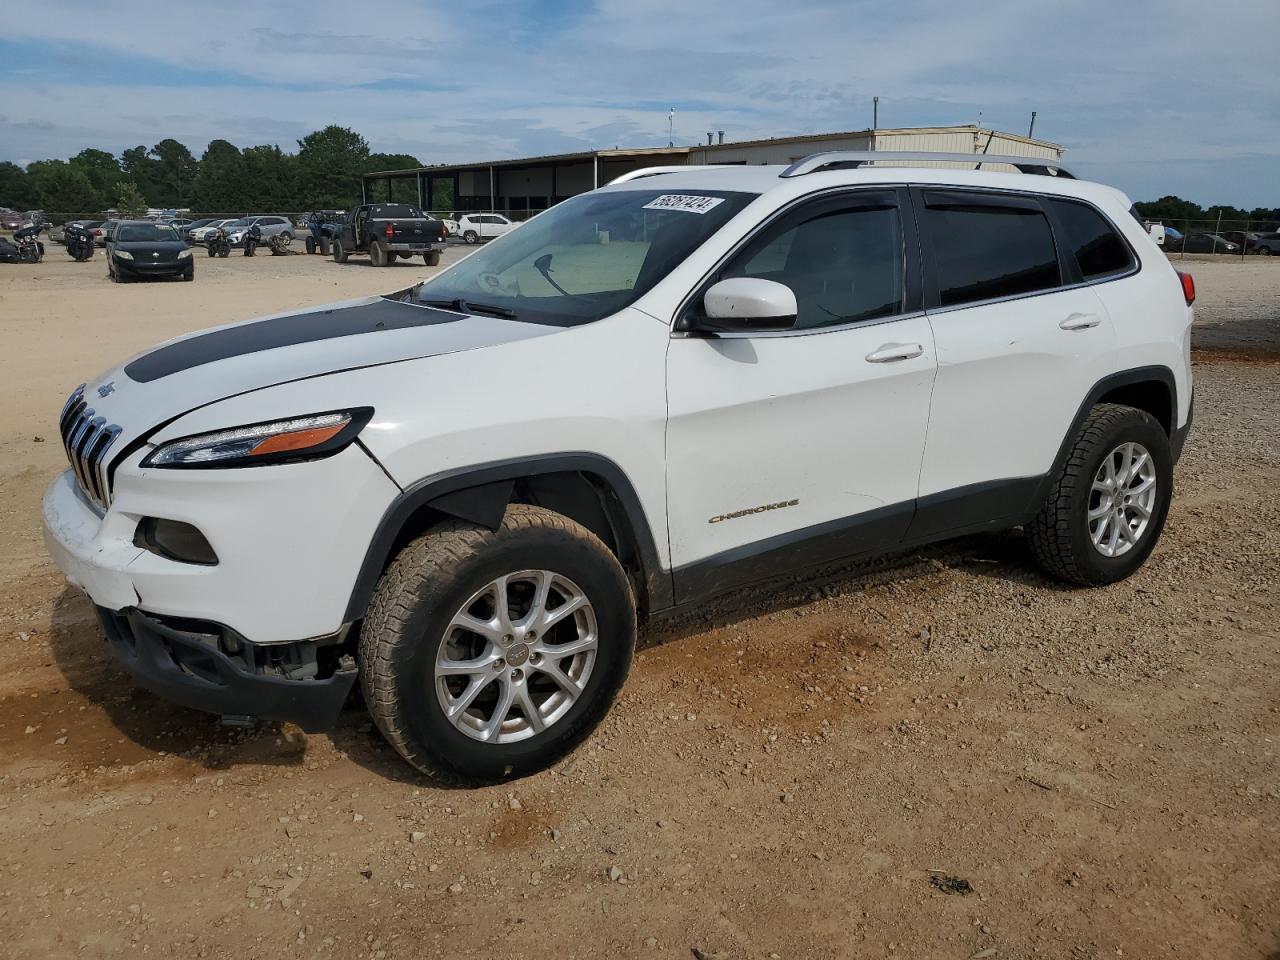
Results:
[747, 305]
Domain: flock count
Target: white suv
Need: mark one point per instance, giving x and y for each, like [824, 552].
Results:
[673, 387]
[475, 227]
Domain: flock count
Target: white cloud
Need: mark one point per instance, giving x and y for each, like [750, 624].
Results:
[1120, 84]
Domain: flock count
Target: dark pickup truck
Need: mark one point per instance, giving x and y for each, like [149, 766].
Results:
[389, 230]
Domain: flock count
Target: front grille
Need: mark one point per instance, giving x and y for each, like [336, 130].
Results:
[87, 438]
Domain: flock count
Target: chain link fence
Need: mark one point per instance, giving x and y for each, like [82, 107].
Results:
[1216, 237]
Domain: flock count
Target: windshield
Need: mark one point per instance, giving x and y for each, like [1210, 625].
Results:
[585, 258]
[145, 233]
[242, 222]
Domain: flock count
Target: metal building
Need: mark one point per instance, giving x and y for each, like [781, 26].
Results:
[522, 187]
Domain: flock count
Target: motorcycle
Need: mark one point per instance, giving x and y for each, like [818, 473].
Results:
[78, 241]
[252, 239]
[27, 241]
[279, 245]
[217, 243]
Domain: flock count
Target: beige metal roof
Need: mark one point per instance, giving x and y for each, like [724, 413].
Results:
[681, 151]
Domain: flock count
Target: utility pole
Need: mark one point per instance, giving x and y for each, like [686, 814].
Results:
[671, 128]
[875, 113]
[1031, 128]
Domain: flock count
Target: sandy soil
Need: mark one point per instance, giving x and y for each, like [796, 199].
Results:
[810, 775]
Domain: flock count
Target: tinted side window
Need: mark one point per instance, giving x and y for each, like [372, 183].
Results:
[844, 265]
[981, 253]
[1097, 247]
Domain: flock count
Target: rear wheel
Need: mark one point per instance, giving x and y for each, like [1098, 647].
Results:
[1264, 251]
[494, 653]
[339, 252]
[378, 254]
[431, 258]
[1108, 505]
[311, 244]
[471, 237]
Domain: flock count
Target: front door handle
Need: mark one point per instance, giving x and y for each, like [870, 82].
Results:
[1080, 321]
[892, 352]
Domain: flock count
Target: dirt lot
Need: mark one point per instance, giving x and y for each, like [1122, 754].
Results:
[804, 777]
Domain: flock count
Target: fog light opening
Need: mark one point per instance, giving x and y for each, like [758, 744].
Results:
[174, 540]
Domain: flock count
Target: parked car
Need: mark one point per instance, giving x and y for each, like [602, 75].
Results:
[200, 234]
[185, 230]
[1201, 243]
[103, 231]
[268, 225]
[463, 494]
[1267, 244]
[1247, 239]
[11, 221]
[140, 249]
[476, 227]
[386, 231]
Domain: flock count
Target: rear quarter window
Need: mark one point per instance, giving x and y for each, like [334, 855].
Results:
[1098, 248]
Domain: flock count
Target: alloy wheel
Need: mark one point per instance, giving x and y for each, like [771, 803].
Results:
[1122, 499]
[516, 657]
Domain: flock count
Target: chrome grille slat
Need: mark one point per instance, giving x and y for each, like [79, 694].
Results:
[86, 438]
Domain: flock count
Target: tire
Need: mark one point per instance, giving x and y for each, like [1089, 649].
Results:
[471, 237]
[324, 246]
[431, 258]
[378, 254]
[311, 244]
[339, 252]
[288, 237]
[444, 573]
[1061, 534]
[1264, 251]
[189, 275]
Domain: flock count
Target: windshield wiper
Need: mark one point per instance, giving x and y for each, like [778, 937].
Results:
[470, 306]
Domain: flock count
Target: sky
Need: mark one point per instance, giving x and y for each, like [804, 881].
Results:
[1172, 97]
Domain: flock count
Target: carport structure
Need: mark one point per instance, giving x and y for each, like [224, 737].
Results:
[517, 188]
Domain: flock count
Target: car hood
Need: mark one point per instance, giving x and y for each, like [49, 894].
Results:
[181, 375]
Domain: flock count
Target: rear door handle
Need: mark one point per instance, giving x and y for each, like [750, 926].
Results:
[892, 352]
[1080, 321]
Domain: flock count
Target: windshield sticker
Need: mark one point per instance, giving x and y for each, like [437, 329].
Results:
[689, 204]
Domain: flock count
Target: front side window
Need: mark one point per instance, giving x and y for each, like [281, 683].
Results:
[843, 264]
[984, 252]
[1098, 249]
[587, 257]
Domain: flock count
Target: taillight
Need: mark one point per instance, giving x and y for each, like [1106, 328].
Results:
[391, 230]
[1188, 287]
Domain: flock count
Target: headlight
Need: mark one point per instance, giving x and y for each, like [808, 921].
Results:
[300, 438]
[124, 255]
[183, 253]
[235, 237]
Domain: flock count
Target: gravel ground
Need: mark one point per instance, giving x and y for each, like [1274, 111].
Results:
[943, 755]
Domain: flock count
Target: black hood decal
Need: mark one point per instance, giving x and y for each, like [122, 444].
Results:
[236, 341]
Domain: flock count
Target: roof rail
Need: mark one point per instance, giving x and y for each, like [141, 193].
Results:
[852, 159]
[657, 171]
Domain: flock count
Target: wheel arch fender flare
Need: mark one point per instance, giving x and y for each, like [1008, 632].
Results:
[480, 494]
[1111, 384]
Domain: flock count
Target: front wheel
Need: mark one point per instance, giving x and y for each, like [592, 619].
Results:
[1107, 506]
[494, 653]
[339, 252]
[1264, 251]
[311, 244]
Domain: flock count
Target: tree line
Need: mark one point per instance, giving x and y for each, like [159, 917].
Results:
[1174, 209]
[324, 173]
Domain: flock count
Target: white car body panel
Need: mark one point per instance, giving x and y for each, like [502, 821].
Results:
[800, 420]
